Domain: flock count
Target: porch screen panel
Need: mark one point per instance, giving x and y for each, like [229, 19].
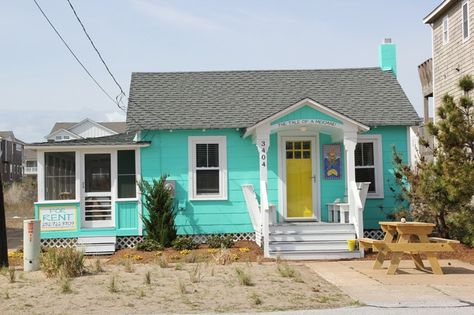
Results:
[126, 175]
[207, 168]
[60, 175]
[365, 165]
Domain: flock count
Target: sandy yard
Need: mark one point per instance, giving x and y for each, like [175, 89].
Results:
[171, 291]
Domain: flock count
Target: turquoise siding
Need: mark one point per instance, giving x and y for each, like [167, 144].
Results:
[126, 219]
[377, 209]
[305, 112]
[168, 154]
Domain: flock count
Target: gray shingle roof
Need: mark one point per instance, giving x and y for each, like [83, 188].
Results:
[239, 99]
[119, 139]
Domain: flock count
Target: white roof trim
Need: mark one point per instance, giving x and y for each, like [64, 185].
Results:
[312, 103]
[94, 123]
[440, 8]
[79, 147]
[64, 130]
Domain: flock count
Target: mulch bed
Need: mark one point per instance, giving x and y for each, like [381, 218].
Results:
[462, 252]
[243, 251]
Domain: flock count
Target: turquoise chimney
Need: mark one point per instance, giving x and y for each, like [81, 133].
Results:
[388, 56]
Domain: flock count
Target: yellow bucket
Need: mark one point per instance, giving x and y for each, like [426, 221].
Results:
[351, 245]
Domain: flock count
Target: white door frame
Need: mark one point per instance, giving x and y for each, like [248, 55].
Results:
[112, 193]
[315, 160]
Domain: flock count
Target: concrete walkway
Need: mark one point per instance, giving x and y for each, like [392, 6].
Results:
[409, 288]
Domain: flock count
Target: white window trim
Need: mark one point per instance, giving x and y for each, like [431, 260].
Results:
[378, 163]
[466, 3]
[222, 141]
[445, 41]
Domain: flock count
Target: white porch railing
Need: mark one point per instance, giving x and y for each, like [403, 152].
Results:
[260, 215]
[254, 211]
[31, 170]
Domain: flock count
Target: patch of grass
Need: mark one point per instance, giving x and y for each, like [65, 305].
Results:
[148, 278]
[68, 261]
[195, 274]
[163, 262]
[190, 258]
[182, 287]
[286, 270]
[179, 266]
[6, 295]
[141, 293]
[223, 257]
[255, 299]
[129, 266]
[244, 277]
[259, 259]
[113, 285]
[97, 266]
[65, 285]
[11, 274]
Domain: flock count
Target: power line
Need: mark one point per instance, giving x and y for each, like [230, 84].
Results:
[97, 50]
[118, 99]
[122, 92]
[73, 54]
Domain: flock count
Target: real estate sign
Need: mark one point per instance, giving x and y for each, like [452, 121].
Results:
[57, 218]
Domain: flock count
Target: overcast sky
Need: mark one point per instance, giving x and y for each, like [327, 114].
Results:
[41, 83]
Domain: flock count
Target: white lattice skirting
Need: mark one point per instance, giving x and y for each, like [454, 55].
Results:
[374, 234]
[59, 242]
[127, 241]
[202, 238]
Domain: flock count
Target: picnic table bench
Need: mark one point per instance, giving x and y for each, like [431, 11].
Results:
[411, 238]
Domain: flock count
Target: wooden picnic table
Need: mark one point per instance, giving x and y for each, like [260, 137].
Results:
[408, 237]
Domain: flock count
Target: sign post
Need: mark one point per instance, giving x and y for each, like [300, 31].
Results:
[3, 226]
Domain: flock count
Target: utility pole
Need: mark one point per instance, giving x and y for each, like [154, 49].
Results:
[3, 226]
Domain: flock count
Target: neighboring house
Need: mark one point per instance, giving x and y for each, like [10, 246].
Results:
[299, 158]
[30, 163]
[11, 157]
[63, 131]
[453, 47]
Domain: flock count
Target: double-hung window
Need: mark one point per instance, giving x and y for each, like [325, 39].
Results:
[207, 168]
[445, 30]
[368, 164]
[465, 20]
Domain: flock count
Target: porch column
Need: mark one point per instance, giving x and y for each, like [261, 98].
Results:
[350, 142]
[263, 143]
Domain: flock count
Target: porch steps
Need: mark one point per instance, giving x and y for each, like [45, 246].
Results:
[97, 245]
[311, 241]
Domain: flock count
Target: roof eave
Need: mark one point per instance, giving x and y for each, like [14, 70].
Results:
[433, 15]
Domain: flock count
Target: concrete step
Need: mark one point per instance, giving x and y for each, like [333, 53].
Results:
[316, 236]
[97, 245]
[308, 246]
[316, 255]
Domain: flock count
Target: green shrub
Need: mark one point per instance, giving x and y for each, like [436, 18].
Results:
[66, 262]
[244, 277]
[219, 241]
[149, 245]
[158, 200]
[184, 243]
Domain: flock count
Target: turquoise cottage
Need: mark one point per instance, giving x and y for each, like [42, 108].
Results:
[298, 160]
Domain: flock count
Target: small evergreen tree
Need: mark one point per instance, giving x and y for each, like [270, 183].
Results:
[441, 190]
[158, 200]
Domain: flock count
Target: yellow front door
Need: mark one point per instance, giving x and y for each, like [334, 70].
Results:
[299, 178]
